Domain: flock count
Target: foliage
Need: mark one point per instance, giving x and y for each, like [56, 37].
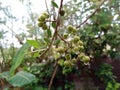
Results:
[20, 79]
[18, 58]
[5, 75]
[63, 46]
[105, 73]
[24, 79]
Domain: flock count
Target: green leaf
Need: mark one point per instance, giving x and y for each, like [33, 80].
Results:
[53, 24]
[36, 54]
[33, 43]
[75, 0]
[5, 75]
[49, 33]
[54, 4]
[47, 40]
[117, 85]
[21, 79]
[57, 41]
[18, 58]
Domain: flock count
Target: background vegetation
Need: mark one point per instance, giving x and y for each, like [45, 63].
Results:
[69, 46]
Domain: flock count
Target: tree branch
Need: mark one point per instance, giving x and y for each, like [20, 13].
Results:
[98, 7]
[53, 75]
[55, 33]
[53, 38]
[62, 38]
[47, 7]
[16, 36]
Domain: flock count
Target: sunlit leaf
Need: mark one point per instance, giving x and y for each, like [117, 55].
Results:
[36, 54]
[33, 43]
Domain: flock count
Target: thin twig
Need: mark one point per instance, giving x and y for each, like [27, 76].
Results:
[47, 7]
[43, 54]
[62, 38]
[16, 36]
[98, 7]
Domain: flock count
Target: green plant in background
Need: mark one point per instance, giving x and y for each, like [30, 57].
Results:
[105, 74]
[66, 47]
[21, 78]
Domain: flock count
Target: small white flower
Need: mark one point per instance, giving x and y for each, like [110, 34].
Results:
[114, 49]
[108, 47]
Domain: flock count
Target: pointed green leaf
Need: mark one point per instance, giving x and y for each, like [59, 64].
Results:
[54, 4]
[53, 24]
[18, 58]
[47, 40]
[49, 33]
[22, 78]
[33, 43]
